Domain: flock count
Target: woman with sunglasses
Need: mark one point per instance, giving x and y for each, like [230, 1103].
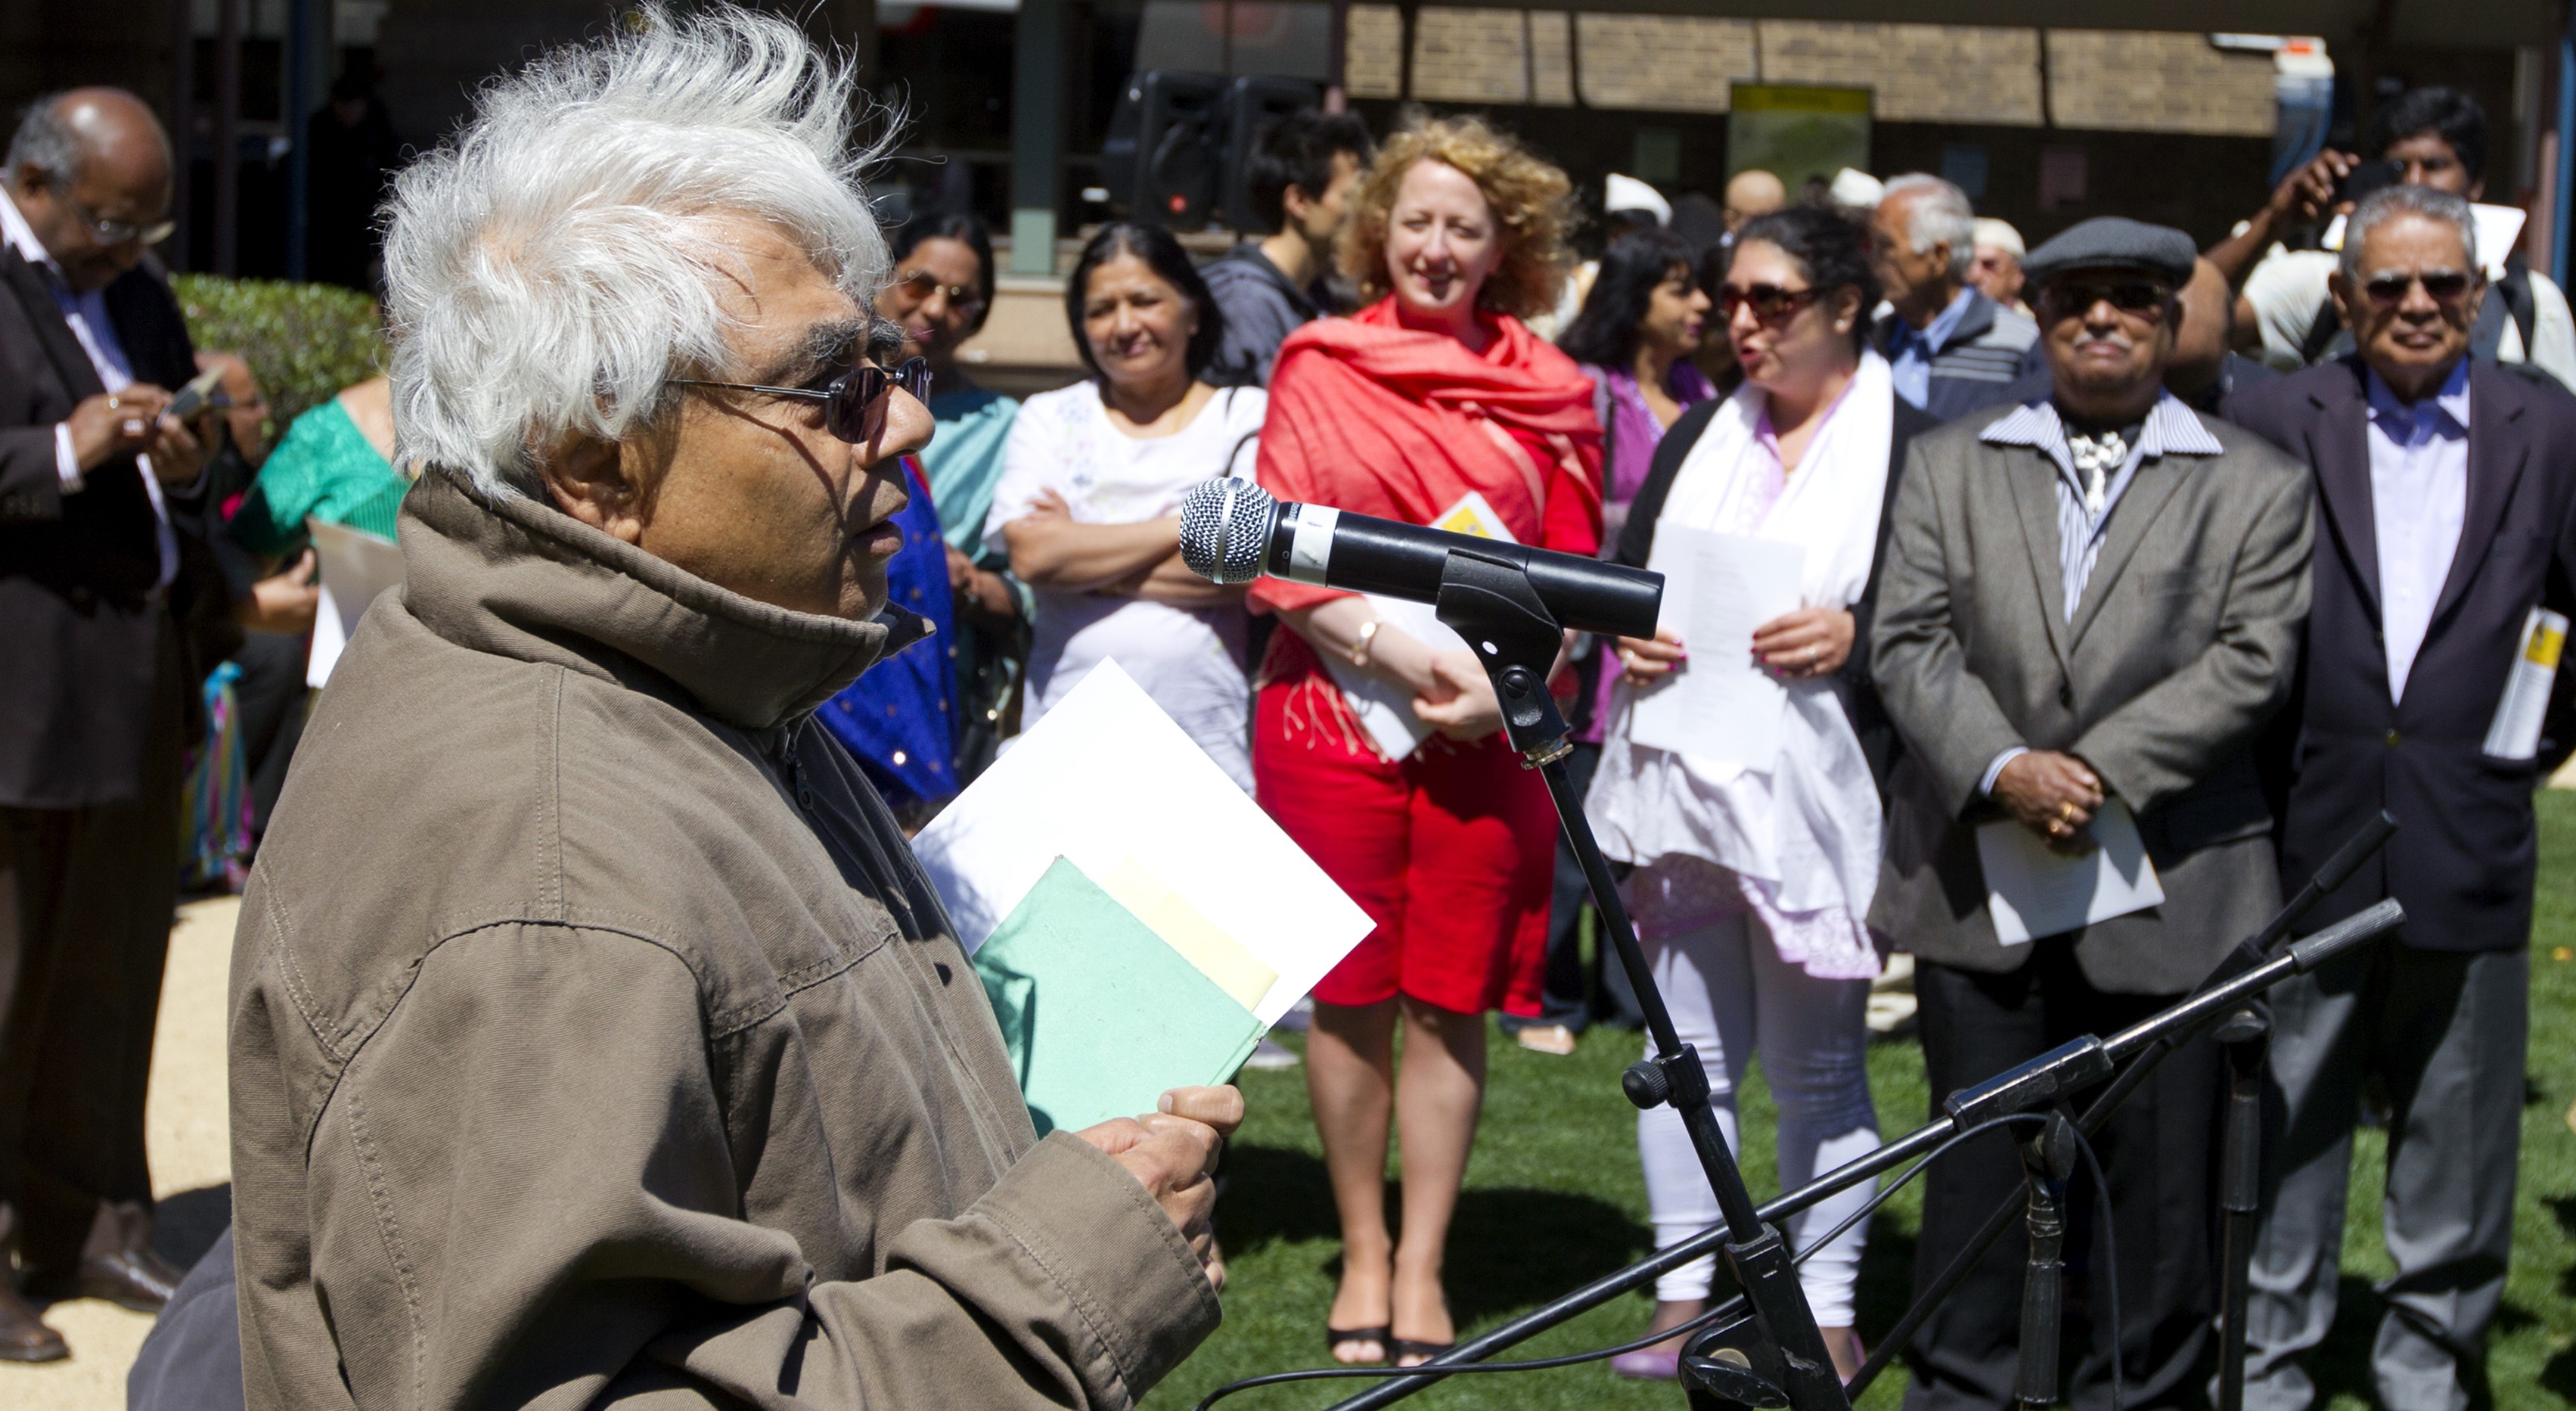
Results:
[1640, 330]
[1089, 501]
[940, 292]
[1434, 405]
[1753, 879]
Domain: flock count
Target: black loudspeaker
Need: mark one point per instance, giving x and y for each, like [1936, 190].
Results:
[1164, 143]
[1252, 104]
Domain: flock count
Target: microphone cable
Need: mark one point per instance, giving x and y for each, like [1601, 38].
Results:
[2110, 1260]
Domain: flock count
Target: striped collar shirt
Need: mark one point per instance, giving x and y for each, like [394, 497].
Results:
[2171, 428]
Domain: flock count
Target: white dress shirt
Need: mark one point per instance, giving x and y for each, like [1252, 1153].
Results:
[2419, 494]
[87, 315]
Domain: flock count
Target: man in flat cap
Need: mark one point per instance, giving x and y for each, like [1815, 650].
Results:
[2090, 606]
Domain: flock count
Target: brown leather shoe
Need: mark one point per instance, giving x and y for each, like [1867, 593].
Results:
[136, 1279]
[24, 1336]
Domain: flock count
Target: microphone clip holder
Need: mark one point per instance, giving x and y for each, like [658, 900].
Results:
[1774, 1356]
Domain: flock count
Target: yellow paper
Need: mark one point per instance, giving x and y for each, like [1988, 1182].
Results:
[1218, 956]
[1473, 515]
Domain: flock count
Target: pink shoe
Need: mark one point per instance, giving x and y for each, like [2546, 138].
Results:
[1649, 1364]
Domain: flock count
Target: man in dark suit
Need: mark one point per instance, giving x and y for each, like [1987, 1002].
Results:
[2091, 601]
[95, 521]
[2449, 487]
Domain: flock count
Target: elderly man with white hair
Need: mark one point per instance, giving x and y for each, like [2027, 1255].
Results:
[595, 1039]
[1953, 349]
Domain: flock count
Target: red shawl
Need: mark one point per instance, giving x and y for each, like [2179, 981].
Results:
[1372, 417]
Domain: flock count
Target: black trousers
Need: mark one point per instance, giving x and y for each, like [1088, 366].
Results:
[86, 899]
[2158, 1151]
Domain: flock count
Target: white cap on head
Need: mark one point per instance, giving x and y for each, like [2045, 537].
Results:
[1627, 193]
[1853, 187]
[1993, 234]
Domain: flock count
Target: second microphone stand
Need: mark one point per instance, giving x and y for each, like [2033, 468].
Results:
[1782, 1360]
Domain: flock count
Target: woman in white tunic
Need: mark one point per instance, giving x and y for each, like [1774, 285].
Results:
[1753, 876]
[1089, 501]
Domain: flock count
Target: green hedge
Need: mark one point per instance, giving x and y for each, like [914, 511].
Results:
[304, 341]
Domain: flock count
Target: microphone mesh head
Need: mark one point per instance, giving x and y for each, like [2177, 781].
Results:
[1225, 529]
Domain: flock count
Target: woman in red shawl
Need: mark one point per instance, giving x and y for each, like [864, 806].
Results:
[1375, 743]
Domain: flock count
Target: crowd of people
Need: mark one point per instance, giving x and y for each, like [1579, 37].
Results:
[731, 576]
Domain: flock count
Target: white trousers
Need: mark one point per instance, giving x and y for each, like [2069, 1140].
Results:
[1732, 996]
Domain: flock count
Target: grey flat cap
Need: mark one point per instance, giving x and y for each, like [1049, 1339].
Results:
[2115, 242]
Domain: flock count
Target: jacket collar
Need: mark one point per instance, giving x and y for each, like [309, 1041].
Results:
[519, 579]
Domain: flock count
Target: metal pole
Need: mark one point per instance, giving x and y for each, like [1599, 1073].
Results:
[299, 132]
[2244, 1037]
[228, 36]
[183, 129]
[2566, 149]
[1037, 135]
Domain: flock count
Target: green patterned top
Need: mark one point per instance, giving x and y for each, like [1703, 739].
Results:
[324, 470]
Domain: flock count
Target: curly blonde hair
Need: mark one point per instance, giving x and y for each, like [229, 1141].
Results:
[1532, 201]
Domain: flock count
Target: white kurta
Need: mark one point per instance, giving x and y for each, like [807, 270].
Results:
[1798, 842]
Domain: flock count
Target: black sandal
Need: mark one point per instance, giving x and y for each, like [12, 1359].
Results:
[1407, 1347]
[1336, 1338]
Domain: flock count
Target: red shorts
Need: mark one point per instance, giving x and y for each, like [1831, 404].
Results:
[1451, 852]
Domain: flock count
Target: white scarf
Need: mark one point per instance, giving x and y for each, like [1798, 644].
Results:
[1806, 833]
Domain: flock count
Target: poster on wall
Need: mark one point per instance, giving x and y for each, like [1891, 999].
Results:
[1797, 133]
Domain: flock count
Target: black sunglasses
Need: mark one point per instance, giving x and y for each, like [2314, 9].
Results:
[1770, 302]
[847, 399]
[2388, 288]
[2068, 298]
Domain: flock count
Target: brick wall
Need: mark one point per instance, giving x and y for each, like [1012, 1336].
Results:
[1663, 63]
[2141, 81]
[1919, 72]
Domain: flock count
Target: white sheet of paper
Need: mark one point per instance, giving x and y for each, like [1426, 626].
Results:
[2034, 890]
[1385, 708]
[1717, 589]
[1105, 777]
[2515, 731]
[356, 566]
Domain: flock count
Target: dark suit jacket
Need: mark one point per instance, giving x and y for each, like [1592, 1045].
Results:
[2463, 859]
[1878, 742]
[1991, 350]
[2182, 647]
[79, 618]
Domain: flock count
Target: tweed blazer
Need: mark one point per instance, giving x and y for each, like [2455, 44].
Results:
[2181, 649]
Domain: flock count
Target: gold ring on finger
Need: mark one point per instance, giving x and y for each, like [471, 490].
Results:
[2066, 811]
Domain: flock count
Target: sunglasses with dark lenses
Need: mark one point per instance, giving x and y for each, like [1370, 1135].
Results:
[849, 399]
[2129, 296]
[921, 284]
[1770, 302]
[2388, 288]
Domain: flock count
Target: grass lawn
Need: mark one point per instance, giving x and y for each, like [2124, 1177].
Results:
[1554, 1199]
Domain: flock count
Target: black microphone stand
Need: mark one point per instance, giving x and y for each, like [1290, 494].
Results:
[1780, 1359]
[1774, 1355]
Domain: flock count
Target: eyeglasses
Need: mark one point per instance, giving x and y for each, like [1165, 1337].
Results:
[2388, 288]
[1771, 303]
[2069, 298]
[921, 284]
[848, 399]
[117, 232]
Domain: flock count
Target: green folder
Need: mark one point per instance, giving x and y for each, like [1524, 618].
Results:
[1100, 1014]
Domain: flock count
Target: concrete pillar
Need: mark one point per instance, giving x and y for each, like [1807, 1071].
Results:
[1037, 135]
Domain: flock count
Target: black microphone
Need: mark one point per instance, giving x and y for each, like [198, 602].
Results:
[1232, 531]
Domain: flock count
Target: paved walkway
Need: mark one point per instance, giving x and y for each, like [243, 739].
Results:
[191, 1168]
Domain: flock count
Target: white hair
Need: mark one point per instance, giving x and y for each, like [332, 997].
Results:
[1942, 214]
[2391, 201]
[552, 267]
